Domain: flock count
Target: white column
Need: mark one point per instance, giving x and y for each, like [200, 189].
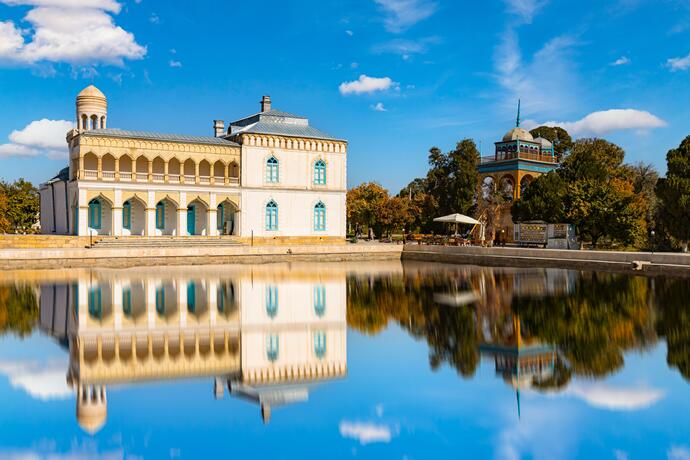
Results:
[150, 295]
[83, 221]
[182, 215]
[212, 216]
[150, 227]
[182, 301]
[212, 291]
[117, 214]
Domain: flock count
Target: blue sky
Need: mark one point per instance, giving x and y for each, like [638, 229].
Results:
[394, 77]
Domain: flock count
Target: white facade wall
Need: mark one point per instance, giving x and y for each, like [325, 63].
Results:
[53, 208]
[295, 192]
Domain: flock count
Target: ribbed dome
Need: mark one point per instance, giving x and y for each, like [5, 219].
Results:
[518, 134]
[91, 418]
[91, 91]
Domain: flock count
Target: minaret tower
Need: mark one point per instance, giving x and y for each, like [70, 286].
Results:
[92, 109]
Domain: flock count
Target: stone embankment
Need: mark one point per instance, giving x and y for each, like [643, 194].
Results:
[193, 254]
[661, 263]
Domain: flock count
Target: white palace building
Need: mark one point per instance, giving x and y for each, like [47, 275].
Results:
[268, 176]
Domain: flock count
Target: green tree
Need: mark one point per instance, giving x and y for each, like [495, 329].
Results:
[18, 310]
[4, 222]
[674, 322]
[365, 205]
[22, 205]
[674, 193]
[543, 200]
[559, 137]
[450, 184]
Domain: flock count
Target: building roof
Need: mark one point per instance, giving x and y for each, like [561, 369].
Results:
[278, 123]
[518, 134]
[91, 91]
[545, 143]
[153, 136]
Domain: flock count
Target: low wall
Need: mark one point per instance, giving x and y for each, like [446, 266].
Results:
[661, 263]
[121, 257]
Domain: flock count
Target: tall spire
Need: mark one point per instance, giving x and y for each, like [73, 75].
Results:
[517, 123]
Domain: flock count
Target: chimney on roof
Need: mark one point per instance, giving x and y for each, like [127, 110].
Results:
[266, 103]
[218, 128]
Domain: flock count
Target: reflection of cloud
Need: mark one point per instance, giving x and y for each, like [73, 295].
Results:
[678, 453]
[620, 455]
[73, 455]
[42, 381]
[365, 432]
[616, 399]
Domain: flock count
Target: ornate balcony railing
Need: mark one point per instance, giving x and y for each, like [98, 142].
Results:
[189, 179]
[204, 179]
[108, 175]
[158, 177]
[142, 177]
[90, 174]
[519, 156]
[126, 176]
[173, 178]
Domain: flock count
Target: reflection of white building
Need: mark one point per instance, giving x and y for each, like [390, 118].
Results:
[268, 334]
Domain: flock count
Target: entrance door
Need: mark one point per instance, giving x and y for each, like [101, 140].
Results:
[191, 220]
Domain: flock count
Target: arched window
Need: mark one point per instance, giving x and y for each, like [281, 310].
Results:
[160, 300]
[160, 215]
[272, 170]
[95, 213]
[320, 344]
[127, 215]
[226, 294]
[320, 300]
[272, 301]
[191, 297]
[127, 301]
[320, 217]
[272, 347]
[320, 172]
[95, 305]
[271, 216]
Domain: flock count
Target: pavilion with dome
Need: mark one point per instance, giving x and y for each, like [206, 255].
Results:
[518, 159]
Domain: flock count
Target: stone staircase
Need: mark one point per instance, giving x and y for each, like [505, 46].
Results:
[167, 242]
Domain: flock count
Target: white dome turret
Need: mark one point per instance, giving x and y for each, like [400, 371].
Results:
[92, 109]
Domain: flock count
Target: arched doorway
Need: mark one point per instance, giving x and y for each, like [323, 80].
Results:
[226, 215]
[100, 216]
[133, 217]
[525, 183]
[166, 217]
[507, 188]
[196, 218]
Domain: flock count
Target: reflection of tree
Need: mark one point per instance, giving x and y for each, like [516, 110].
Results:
[18, 309]
[674, 321]
[594, 325]
[450, 332]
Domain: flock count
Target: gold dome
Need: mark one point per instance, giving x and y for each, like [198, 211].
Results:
[518, 134]
[91, 91]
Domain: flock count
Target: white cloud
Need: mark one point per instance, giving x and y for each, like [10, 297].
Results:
[525, 78]
[354, 65]
[366, 84]
[43, 381]
[39, 137]
[678, 453]
[607, 121]
[349, 33]
[615, 399]
[378, 107]
[379, 410]
[405, 47]
[365, 433]
[623, 60]
[620, 455]
[679, 63]
[174, 63]
[525, 9]
[402, 14]
[78, 32]
[154, 19]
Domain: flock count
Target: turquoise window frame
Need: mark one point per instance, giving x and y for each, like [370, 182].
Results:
[272, 170]
[319, 217]
[272, 301]
[127, 301]
[160, 215]
[160, 300]
[191, 297]
[95, 214]
[220, 216]
[127, 215]
[319, 300]
[220, 297]
[95, 302]
[320, 172]
[320, 344]
[271, 216]
[272, 347]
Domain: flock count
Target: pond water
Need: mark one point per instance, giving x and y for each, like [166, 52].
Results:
[368, 360]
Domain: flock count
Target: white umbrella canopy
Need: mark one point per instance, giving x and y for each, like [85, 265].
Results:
[457, 219]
